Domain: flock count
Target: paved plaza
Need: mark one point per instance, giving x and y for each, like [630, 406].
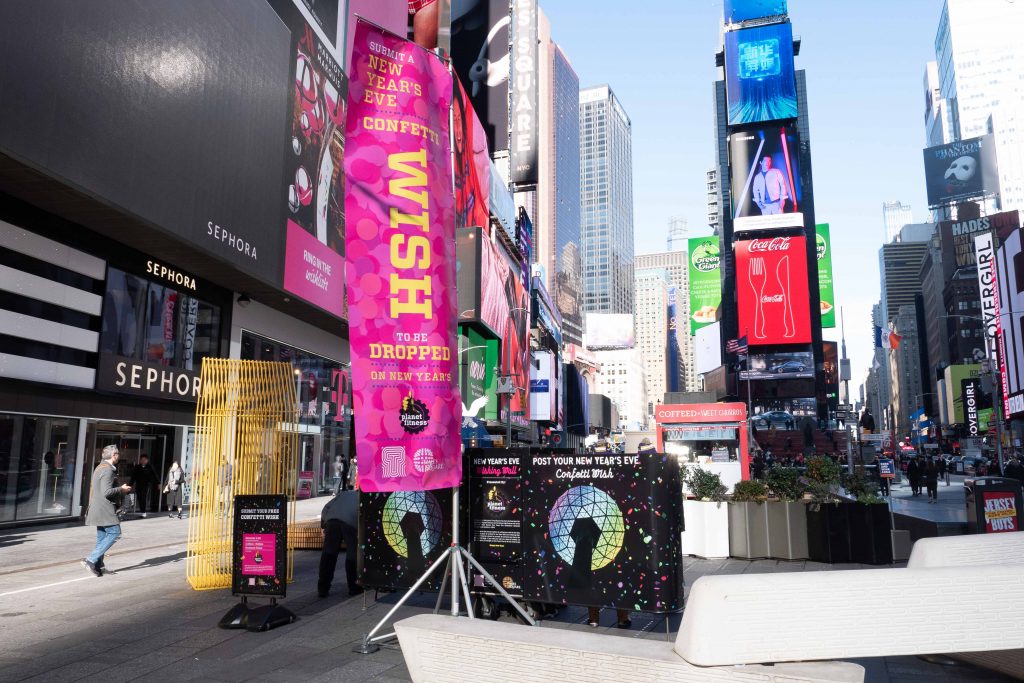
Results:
[59, 624]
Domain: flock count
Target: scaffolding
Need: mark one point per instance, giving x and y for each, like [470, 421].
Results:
[246, 443]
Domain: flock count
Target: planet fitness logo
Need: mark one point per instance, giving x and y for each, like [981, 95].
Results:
[413, 415]
[402, 503]
[587, 502]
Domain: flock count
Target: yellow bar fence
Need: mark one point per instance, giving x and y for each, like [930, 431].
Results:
[247, 442]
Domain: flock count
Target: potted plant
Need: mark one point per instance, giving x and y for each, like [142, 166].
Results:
[787, 517]
[828, 526]
[706, 517]
[748, 520]
[870, 523]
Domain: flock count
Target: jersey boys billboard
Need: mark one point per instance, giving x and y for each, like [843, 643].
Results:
[771, 286]
[400, 270]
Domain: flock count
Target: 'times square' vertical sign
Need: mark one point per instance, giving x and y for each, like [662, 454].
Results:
[400, 270]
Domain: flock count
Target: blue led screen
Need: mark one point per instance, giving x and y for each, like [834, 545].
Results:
[759, 79]
[745, 10]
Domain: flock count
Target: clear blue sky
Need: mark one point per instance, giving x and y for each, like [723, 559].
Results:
[865, 65]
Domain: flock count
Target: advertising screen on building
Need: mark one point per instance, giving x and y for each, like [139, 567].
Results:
[1009, 323]
[525, 110]
[830, 367]
[401, 274]
[737, 11]
[961, 170]
[771, 288]
[313, 189]
[799, 364]
[609, 331]
[472, 164]
[544, 385]
[958, 236]
[480, 55]
[705, 281]
[765, 175]
[760, 82]
[826, 288]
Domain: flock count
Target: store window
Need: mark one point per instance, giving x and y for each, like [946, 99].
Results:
[37, 466]
[146, 321]
[325, 398]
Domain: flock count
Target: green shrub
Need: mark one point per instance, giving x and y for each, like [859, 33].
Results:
[860, 487]
[784, 482]
[822, 477]
[750, 491]
[705, 485]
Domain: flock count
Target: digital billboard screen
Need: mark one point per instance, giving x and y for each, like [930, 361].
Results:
[737, 11]
[957, 237]
[826, 289]
[609, 331]
[795, 365]
[961, 170]
[705, 281]
[480, 55]
[1009, 268]
[771, 288]
[764, 170]
[760, 81]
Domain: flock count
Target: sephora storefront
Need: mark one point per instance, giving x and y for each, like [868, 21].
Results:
[99, 345]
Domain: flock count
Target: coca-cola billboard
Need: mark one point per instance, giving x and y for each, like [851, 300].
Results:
[772, 291]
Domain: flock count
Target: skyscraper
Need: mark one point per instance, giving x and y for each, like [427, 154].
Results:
[555, 204]
[895, 215]
[606, 201]
[978, 53]
[652, 330]
[675, 265]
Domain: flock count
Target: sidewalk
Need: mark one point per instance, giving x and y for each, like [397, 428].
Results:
[949, 510]
[39, 547]
[143, 622]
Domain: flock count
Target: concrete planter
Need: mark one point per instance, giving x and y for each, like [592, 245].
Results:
[748, 530]
[707, 529]
[787, 530]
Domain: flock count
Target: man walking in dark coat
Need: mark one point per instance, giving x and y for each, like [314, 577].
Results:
[340, 521]
[914, 476]
[143, 481]
[102, 513]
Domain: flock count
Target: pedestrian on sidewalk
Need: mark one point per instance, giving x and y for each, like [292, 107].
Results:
[143, 481]
[102, 512]
[943, 469]
[340, 521]
[931, 479]
[174, 489]
[914, 476]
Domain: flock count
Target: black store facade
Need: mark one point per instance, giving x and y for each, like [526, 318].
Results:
[144, 198]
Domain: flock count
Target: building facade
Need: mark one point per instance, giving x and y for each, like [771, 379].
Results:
[623, 379]
[894, 216]
[676, 266]
[606, 202]
[652, 332]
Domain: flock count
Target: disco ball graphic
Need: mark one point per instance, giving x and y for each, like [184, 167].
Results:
[582, 502]
[401, 503]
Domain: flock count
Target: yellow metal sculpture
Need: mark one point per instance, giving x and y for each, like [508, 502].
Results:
[246, 443]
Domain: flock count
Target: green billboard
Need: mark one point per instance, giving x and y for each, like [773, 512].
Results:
[823, 242]
[705, 281]
[477, 363]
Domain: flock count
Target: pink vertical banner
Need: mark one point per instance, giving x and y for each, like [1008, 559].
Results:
[400, 272]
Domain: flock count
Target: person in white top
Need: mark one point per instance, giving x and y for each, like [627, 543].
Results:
[770, 189]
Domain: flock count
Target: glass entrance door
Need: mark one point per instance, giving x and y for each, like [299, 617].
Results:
[132, 441]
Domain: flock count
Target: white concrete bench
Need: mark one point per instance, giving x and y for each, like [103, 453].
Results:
[972, 551]
[753, 618]
[442, 649]
[968, 551]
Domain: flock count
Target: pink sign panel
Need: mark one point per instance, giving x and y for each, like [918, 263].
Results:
[313, 271]
[400, 268]
[258, 552]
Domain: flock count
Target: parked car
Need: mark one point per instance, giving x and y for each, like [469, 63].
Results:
[779, 418]
[790, 366]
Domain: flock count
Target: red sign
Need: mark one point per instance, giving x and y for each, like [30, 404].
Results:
[700, 412]
[1000, 511]
[772, 287]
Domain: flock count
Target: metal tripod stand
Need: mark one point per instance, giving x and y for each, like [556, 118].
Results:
[455, 555]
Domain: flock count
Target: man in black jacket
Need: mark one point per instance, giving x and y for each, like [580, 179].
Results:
[102, 513]
[340, 521]
[143, 480]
